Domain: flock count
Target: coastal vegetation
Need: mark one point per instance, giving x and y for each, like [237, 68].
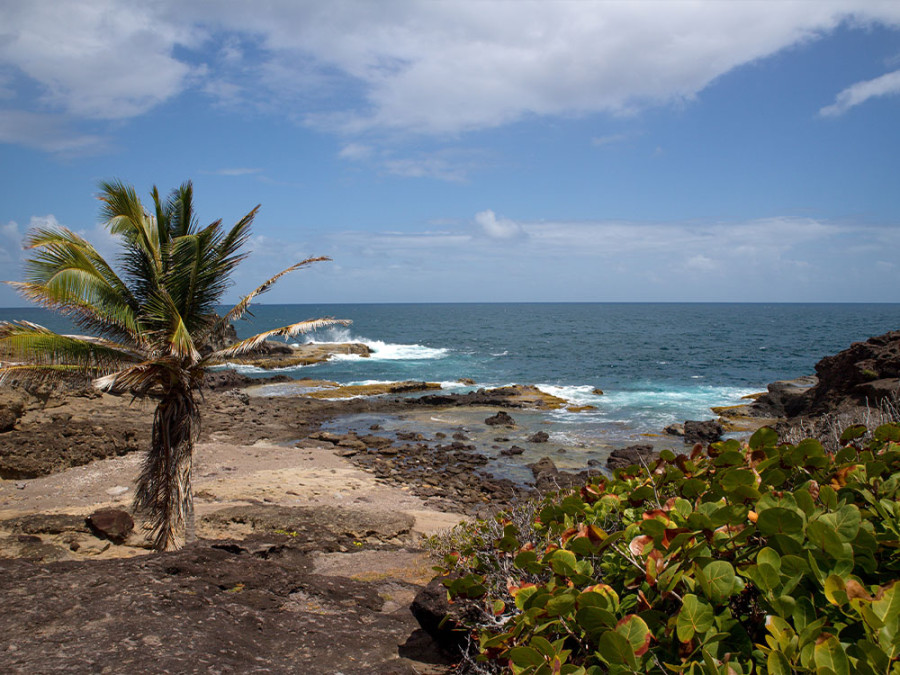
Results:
[762, 556]
[152, 324]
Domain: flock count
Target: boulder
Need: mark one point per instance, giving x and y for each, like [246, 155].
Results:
[500, 419]
[705, 432]
[512, 451]
[112, 524]
[674, 430]
[539, 437]
[437, 617]
[633, 454]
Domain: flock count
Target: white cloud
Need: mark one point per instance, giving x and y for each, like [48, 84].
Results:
[355, 152]
[101, 59]
[498, 228]
[856, 94]
[52, 133]
[435, 67]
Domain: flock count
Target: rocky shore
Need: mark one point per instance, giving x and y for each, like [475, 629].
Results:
[309, 549]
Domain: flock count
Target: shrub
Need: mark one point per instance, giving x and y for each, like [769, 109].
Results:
[760, 557]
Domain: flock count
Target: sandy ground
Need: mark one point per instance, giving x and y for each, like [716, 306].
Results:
[224, 475]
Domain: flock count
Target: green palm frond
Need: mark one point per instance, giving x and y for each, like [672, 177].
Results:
[59, 248]
[116, 322]
[251, 343]
[44, 351]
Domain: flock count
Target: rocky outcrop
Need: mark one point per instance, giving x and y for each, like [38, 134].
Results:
[865, 372]
[548, 478]
[500, 419]
[249, 606]
[634, 454]
[705, 432]
[862, 375]
[377, 389]
[271, 355]
[516, 396]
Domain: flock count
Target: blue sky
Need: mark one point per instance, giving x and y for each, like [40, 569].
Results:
[476, 151]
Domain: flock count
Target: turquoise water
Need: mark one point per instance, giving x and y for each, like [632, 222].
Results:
[656, 363]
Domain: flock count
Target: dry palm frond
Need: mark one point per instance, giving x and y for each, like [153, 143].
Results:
[236, 312]
[251, 343]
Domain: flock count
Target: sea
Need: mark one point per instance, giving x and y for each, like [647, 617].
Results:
[654, 363]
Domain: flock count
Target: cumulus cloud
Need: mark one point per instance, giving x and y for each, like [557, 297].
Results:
[498, 228]
[856, 94]
[402, 66]
[101, 59]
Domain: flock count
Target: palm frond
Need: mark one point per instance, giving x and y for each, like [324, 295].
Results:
[181, 209]
[251, 343]
[37, 352]
[59, 248]
[126, 216]
[116, 322]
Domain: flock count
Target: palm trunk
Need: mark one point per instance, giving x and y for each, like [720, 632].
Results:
[164, 485]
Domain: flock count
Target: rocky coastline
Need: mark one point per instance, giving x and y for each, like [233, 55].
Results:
[308, 538]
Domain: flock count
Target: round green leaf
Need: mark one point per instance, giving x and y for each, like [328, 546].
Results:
[633, 629]
[779, 520]
[526, 656]
[829, 653]
[615, 649]
[717, 581]
[695, 617]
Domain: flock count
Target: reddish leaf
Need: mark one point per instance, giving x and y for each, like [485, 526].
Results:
[639, 544]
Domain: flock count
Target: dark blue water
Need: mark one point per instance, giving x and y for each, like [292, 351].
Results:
[656, 363]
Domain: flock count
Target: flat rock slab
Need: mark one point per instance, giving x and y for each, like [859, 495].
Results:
[317, 524]
[241, 607]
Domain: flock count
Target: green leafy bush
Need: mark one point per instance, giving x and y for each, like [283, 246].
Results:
[745, 558]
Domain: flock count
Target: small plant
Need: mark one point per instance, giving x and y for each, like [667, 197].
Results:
[763, 557]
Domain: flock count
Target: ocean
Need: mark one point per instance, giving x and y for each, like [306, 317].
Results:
[655, 363]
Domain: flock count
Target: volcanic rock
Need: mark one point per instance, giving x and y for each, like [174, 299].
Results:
[112, 524]
[705, 432]
[500, 419]
[633, 454]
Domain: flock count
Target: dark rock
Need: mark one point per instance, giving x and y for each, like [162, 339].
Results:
[8, 419]
[437, 617]
[500, 419]
[112, 524]
[597, 392]
[784, 398]
[633, 454]
[539, 437]
[460, 436]
[514, 450]
[40, 523]
[705, 432]
[544, 465]
[674, 430]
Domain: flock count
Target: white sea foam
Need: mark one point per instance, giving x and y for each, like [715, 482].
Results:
[381, 351]
[581, 394]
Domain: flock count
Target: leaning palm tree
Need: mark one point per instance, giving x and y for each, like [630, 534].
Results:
[152, 322]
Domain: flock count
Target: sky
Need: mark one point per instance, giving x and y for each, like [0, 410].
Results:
[476, 151]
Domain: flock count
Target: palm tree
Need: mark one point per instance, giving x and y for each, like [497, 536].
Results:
[151, 322]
